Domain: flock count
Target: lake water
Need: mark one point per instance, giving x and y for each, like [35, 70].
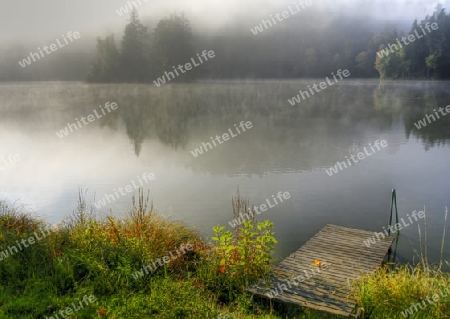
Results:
[288, 149]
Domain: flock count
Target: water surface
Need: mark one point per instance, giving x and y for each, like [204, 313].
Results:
[288, 149]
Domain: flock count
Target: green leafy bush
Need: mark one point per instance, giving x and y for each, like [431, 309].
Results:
[246, 256]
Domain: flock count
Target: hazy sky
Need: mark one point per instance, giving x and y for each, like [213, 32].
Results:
[47, 18]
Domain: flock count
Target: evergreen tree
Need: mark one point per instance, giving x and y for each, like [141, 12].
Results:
[135, 51]
[362, 63]
[172, 44]
[106, 67]
[310, 62]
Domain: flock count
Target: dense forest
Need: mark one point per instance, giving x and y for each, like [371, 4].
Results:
[295, 48]
[144, 54]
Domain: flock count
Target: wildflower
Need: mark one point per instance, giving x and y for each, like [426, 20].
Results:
[102, 312]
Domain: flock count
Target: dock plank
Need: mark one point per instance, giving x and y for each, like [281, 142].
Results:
[343, 250]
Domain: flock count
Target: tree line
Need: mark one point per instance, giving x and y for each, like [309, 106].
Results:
[295, 50]
[312, 45]
[143, 54]
[424, 53]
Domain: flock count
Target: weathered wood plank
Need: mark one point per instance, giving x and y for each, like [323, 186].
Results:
[324, 289]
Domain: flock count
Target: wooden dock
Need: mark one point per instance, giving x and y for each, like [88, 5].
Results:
[326, 263]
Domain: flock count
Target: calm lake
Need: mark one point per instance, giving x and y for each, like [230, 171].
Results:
[288, 149]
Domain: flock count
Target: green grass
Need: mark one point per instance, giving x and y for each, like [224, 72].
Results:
[387, 293]
[87, 256]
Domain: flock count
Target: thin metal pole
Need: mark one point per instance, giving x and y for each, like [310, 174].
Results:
[393, 202]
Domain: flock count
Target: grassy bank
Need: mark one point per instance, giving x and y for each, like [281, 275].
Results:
[144, 266]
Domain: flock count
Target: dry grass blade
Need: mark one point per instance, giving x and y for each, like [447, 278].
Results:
[426, 237]
[140, 211]
[240, 206]
[81, 215]
[443, 237]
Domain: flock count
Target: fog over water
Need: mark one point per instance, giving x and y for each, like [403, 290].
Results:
[138, 128]
[155, 128]
[289, 149]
